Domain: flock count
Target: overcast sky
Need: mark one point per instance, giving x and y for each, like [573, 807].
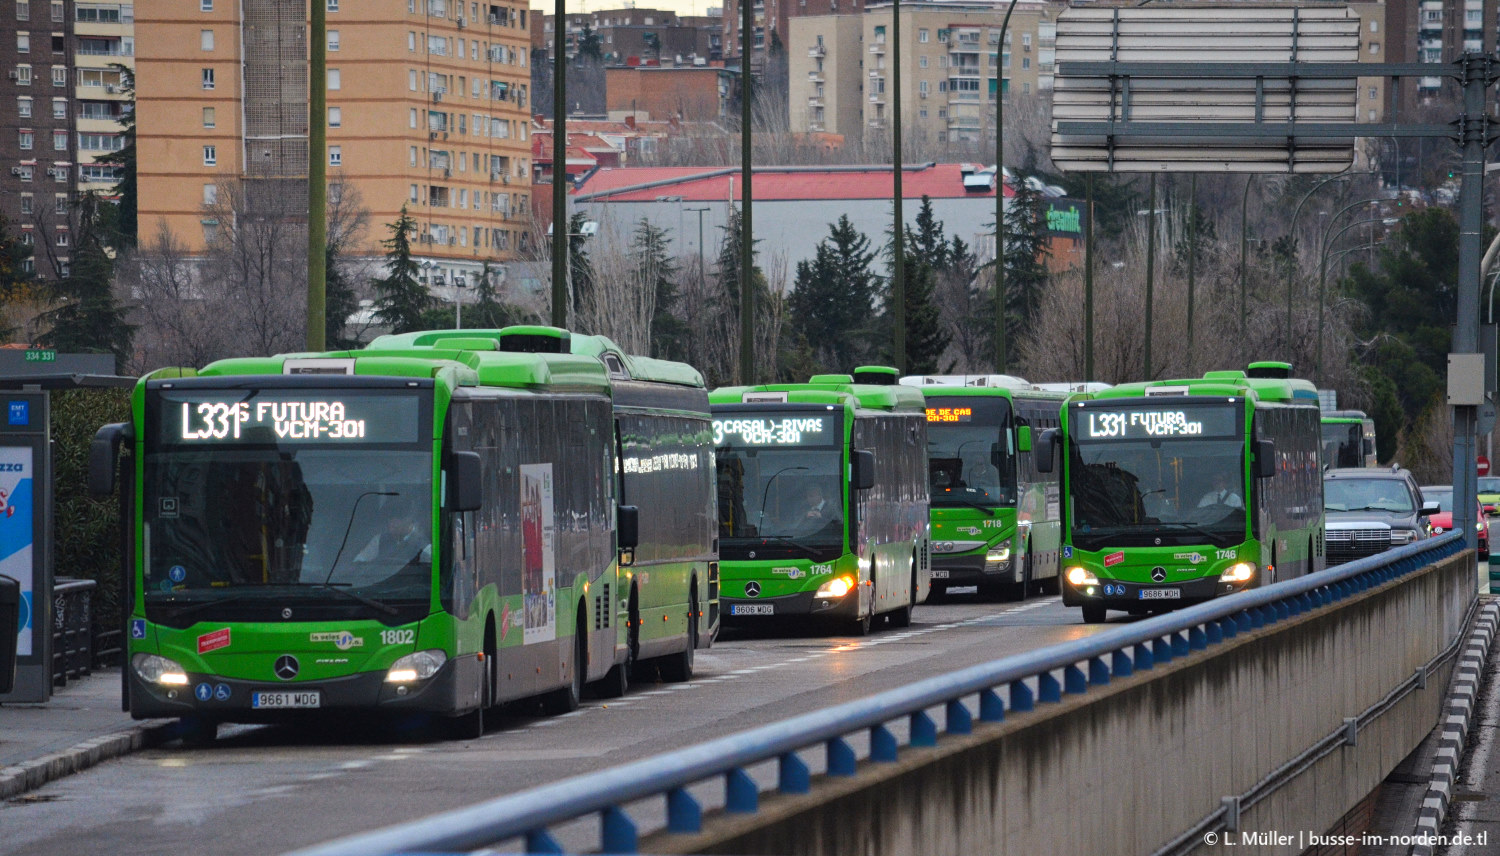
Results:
[681, 7]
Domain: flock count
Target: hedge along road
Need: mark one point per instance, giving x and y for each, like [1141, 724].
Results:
[263, 789]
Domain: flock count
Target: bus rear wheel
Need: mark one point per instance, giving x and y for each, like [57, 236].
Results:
[616, 681]
[902, 616]
[678, 668]
[1094, 613]
[567, 699]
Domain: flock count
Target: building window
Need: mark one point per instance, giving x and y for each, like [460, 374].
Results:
[23, 107]
[57, 10]
[412, 155]
[333, 40]
[23, 43]
[208, 117]
[23, 75]
[922, 87]
[922, 61]
[922, 36]
[334, 77]
[205, 5]
[210, 194]
[101, 142]
[59, 75]
[335, 117]
[333, 5]
[59, 141]
[210, 231]
[25, 173]
[23, 10]
[208, 78]
[60, 108]
[59, 203]
[26, 204]
[59, 175]
[1025, 40]
[206, 40]
[27, 139]
[1373, 94]
[335, 156]
[210, 155]
[62, 237]
[1025, 62]
[1374, 26]
[63, 268]
[411, 80]
[411, 42]
[413, 195]
[411, 117]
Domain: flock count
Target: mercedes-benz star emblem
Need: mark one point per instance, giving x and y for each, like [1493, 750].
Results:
[286, 612]
[286, 667]
[1159, 574]
[752, 589]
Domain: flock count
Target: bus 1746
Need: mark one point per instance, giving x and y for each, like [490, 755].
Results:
[1176, 492]
[822, 501]
[433, 524]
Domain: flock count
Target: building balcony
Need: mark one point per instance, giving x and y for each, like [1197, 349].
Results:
[815, 76]
[959, 123]
[877, 48]
[877, 97]
[817, 52]
[963, 71]
[815, 101]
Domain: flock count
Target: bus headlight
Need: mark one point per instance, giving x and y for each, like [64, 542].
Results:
[159, 670]
[1081, 577]
[998, 556]
[1240, 572]
[416, 667]
[836, 587]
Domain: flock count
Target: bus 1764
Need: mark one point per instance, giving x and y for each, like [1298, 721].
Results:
[822, 501]
[995, 520]
[1176, 492]
[436, 524]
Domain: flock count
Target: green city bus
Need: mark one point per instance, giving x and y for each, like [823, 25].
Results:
[1154, 480]
[822, 501]
[1348, 439]
[995, 520]
[436, 524]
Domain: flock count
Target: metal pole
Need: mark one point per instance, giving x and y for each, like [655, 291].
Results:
[898, 281]
[1324, 245]
[699, 212]
[1477, 69]
[559, 164]
[1150, 269]
[1088, 283]
[458, 306]
[1192, 256]
[1000, 343]
[317, 178]
[1292, 263]
[1244, 247]
[747, 233]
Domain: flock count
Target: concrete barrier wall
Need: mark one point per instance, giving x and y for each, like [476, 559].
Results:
[1126, 768]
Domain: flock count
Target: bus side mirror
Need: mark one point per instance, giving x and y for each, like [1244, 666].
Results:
[1023, 438]
[1265, 459]
[1045, 450]
[465, 482]
[627, 527]
[862, 469]
[104, 454]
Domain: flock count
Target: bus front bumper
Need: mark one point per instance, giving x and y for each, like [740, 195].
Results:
[972, 570]
[747, 610]
[1116, 594]
[454, 689]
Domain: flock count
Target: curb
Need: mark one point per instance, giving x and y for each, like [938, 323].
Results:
[1458, 709]
[33, 774]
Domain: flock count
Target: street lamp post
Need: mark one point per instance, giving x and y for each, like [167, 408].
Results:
[1292, 233]
[1150, 267]
[1000, 343]
[1244, 245]
[1327, 243]
[699, 212]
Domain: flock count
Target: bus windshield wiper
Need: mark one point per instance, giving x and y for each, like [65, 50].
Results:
[336, 589]
[1193, 527]
[969, 502]
[780, 539]
[199, 606]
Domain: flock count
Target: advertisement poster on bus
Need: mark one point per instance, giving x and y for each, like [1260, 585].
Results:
[16, 534]
[538, 543]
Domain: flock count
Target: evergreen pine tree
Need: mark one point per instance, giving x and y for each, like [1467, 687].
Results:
[339, 301]
[89, 320]
[1025, 250]
[488, 311]
[833, 296]
[123, 216]
[657, 270]
[14, 276]
[729, 259]
[400, 299]
[926, 336]
[929, 242]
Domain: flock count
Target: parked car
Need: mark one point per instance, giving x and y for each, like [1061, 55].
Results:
[1441, 522]
[1489, 494]
[1370, 510]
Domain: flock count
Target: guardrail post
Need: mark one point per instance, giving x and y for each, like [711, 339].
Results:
[882, 744]
[618, 833]
[1197, 640]
[541, 841]
[1074, 680]
[1020, 697]
[1257, 618]
[991, 708]
[1098, 672]
[1213, 632]
[1161, 650]
[923, 729]
[1120, 664]
[1143, 656]
[684, 814]
[960, 721]
[741, 796]
[1180, 645]
[794, 776]
[841, 760]
[1047, 688]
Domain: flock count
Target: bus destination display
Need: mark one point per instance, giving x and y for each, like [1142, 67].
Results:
[1153, 423]
[775, 431]
[950, 414]
[295, 417]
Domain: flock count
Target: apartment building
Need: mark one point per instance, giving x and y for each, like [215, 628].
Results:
[427, 107]
[634, 36]
[773, 23]
[37, 179]
[953, 63]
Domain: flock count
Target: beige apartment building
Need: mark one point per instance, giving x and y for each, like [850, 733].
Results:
[104, 41]
[952, 66]
[427, 107]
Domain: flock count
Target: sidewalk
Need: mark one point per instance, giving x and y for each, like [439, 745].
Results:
[1475, 806]
[81, 726]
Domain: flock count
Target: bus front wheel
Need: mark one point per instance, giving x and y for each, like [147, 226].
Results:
[1094, 613]
[617, 680]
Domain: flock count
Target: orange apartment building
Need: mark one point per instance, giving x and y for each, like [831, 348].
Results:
[428, 107]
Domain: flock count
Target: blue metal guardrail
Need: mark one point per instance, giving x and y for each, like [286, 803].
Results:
[1092, 661]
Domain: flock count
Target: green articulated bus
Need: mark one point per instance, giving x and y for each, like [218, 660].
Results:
[822, 501]
[1176, 492]
[1348, 439]
[436, 524]
[995, 520]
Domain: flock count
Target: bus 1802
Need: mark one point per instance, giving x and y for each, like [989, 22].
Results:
[822, 501]
[438, 523]
[1176, 492]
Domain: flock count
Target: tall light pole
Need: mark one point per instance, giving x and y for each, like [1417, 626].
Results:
[898, 280]
[747, 233]
[699, 212]
[1192, 255]
[1150, 268]
[317, 177]
[1244, 245]
[1088, 282]
[1326, 243]
[1292, 233]
[559, 164]
[1000, 343]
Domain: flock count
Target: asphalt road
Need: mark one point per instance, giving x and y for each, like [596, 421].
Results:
[262, 790]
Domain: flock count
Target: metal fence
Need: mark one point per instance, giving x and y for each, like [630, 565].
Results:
[1015, 684]
[72, 629]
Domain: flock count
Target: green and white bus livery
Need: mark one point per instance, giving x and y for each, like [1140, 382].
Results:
[434, 524]
[822, 501]
[1348, 439]
[995, 520]
[1155, 480]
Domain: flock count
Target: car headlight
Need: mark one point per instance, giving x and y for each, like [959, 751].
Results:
[1402, 536]
[1239, 572]
[998, 555]
[1082, 577]
[159, 670]
[836, 587]
[416, 667]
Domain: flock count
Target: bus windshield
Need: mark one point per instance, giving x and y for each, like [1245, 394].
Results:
[1343, 444]
[970, 457]
[780, 485]
[1156, 476]
[347, 520]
